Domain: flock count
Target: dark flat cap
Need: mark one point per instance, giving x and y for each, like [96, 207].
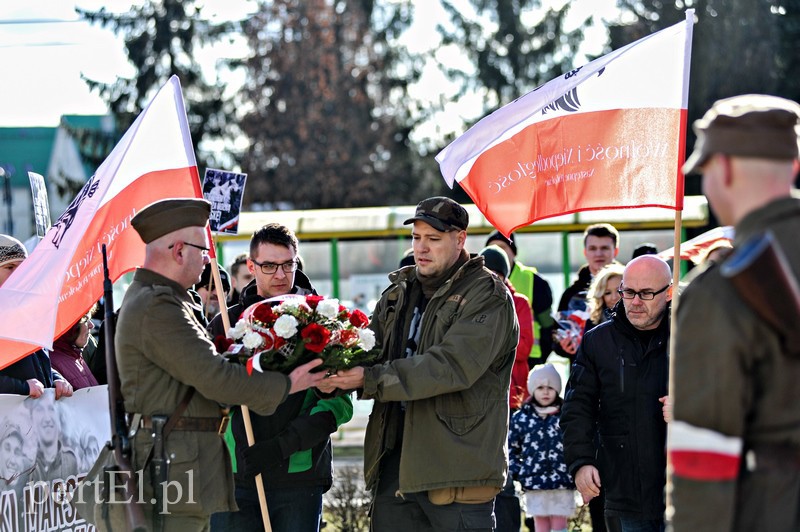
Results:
[165, 216]
[441, 213]
[752, 125]
[205, 278]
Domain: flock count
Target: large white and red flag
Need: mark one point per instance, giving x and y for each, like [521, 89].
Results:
[63, 277]
[610, 134]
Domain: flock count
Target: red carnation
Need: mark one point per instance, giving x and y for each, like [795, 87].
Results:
[313, 301]
[359, 319]
[222, 343]
[264, 314]
[316, 337]
[348, 337]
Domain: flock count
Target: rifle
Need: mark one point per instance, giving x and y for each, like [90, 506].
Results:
[763, 277]
[120, 439]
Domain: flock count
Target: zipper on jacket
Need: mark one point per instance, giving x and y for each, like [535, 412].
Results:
[621, 373]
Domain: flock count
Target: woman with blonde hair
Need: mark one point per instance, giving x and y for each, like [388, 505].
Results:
[602, 294]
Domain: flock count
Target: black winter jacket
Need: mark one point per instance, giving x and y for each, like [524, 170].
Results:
[14, 378]
[614, 387]
[290, 423]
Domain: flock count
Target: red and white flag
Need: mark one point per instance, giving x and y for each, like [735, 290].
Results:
[697, 246]
[63, 277]
[610, 134]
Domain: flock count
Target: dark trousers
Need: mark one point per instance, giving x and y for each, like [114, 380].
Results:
[290, 510]
[414, 511]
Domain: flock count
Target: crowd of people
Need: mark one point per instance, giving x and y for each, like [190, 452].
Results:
[471, 426]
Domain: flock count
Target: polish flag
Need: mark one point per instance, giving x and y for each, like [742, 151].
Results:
[610, 134]
[63, 277]
[693, 249]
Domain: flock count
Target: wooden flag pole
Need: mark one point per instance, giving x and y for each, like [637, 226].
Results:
[673, 320]
[248, 426]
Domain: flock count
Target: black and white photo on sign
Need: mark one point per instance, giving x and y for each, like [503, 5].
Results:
[224, 190]
[41, 208]
[46, 447]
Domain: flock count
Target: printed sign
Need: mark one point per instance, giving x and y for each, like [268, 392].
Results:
[41, 208]
[225, 191]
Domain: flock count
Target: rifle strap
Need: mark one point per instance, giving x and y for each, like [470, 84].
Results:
[173, 419]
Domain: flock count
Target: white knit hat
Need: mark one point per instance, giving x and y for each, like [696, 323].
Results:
[11, 250]
[544, 375]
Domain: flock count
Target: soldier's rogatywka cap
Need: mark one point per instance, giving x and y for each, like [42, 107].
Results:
[165, 216]
[11, 250]
[751, 125]
[441, 213]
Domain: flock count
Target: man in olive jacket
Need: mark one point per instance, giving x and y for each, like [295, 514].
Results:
[435, 448]
[162, 351]
[735, 441]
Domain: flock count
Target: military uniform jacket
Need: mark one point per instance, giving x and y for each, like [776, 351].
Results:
[455, 387]
[162, 351]
[735, 390]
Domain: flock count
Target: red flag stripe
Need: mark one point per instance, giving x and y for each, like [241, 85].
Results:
[707, 466]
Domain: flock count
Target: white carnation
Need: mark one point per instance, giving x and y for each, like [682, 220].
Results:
[286, 326]
[252, 340]
[238, 331]
[328, 308]
[366, 339]
[291, 303]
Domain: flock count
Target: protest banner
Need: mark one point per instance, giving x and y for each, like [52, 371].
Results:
[46, 447]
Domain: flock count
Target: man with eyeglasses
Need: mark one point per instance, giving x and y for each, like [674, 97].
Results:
[735, 442]
[167, 363]
[293, 447]
[618, 387]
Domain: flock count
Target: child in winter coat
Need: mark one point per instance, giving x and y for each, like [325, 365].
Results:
[536, 453]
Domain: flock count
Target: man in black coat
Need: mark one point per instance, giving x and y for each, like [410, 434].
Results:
[618, 386]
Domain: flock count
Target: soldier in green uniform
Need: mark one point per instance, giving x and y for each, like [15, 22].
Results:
[163, 351]
[735, 439]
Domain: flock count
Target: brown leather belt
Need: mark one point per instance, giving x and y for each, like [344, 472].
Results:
[193, 424]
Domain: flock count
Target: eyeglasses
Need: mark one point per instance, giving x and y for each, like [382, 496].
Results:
[204, 249]
[644, 295]
[271, 267]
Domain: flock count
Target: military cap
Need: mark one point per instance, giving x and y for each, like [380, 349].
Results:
[11, 250]
[495, 259]
[751, 125]
[165, 216]
[10, 428]
[205, 278]
[441, 213]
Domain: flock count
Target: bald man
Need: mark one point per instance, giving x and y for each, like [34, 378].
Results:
[735, 442]
[617, 386]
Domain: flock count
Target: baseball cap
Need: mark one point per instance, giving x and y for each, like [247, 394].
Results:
[441, 213]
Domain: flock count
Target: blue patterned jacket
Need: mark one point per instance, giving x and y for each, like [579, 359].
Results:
[536, 451]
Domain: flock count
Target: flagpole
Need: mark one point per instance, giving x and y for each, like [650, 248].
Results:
[248, 425]
[676, 269]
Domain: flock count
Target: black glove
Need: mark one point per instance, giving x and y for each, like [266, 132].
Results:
[260, 458]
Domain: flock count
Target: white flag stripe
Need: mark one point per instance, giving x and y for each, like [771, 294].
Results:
[686, 437]
[651, 57]
[152, 150]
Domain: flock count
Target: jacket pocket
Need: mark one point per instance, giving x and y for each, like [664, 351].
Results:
[460, 411]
